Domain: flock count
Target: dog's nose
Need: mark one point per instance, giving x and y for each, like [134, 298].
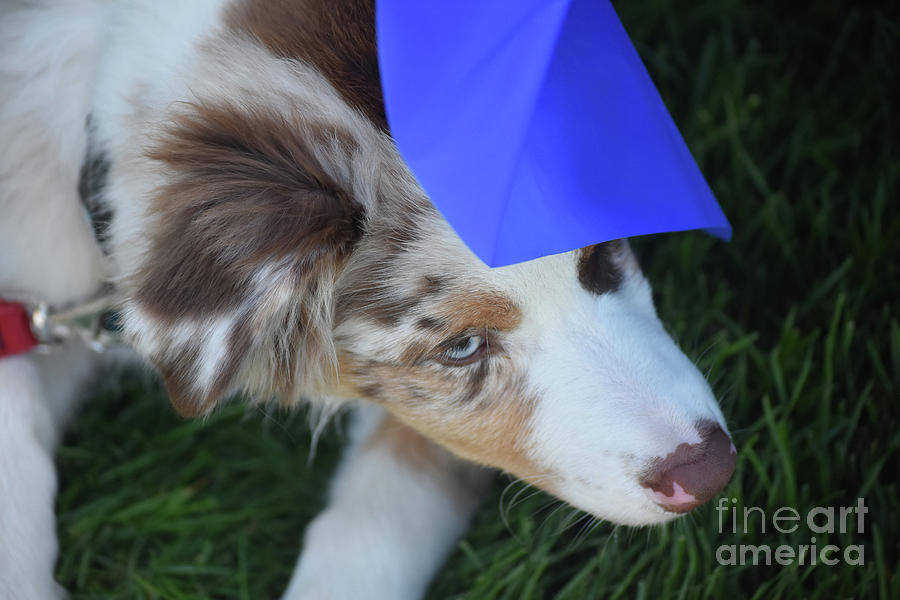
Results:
[693, 473]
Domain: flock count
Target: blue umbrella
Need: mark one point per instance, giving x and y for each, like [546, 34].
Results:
[534, 127]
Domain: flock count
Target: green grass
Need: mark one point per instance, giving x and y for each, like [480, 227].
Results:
[789, 111]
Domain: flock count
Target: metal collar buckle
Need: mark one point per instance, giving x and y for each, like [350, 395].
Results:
[86, 321]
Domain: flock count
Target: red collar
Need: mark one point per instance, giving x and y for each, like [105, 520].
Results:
[16, 335]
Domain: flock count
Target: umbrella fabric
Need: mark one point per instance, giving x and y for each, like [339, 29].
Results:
[534, 127]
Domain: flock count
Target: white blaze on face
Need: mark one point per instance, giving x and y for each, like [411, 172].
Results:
[614, 390]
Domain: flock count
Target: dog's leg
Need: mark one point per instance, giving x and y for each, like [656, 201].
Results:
[398, 503]
[36, 398]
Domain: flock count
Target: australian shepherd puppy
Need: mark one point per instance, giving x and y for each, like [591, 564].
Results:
[247, 204]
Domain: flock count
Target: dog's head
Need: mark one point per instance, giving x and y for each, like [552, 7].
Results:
[291, 254]
[557, 370]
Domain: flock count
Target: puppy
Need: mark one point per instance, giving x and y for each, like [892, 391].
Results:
[248, 205]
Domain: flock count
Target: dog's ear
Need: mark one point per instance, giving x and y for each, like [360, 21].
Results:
[248, 233]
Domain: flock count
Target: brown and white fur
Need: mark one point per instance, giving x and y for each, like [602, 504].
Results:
[266, 238]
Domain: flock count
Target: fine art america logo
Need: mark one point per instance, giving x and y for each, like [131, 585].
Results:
[819, 520]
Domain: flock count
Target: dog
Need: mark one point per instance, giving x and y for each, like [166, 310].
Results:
[227, 169]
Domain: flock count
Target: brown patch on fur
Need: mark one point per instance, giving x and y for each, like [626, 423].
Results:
[390, 313]
[246, 189]
[431, 324]
[181, 394]
[372, 391]
[495, 435]
[178, 374]
[598, 270]
[493, 432]
[335, 36]
[481, 310]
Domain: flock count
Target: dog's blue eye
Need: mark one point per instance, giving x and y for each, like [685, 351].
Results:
[465, 350]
